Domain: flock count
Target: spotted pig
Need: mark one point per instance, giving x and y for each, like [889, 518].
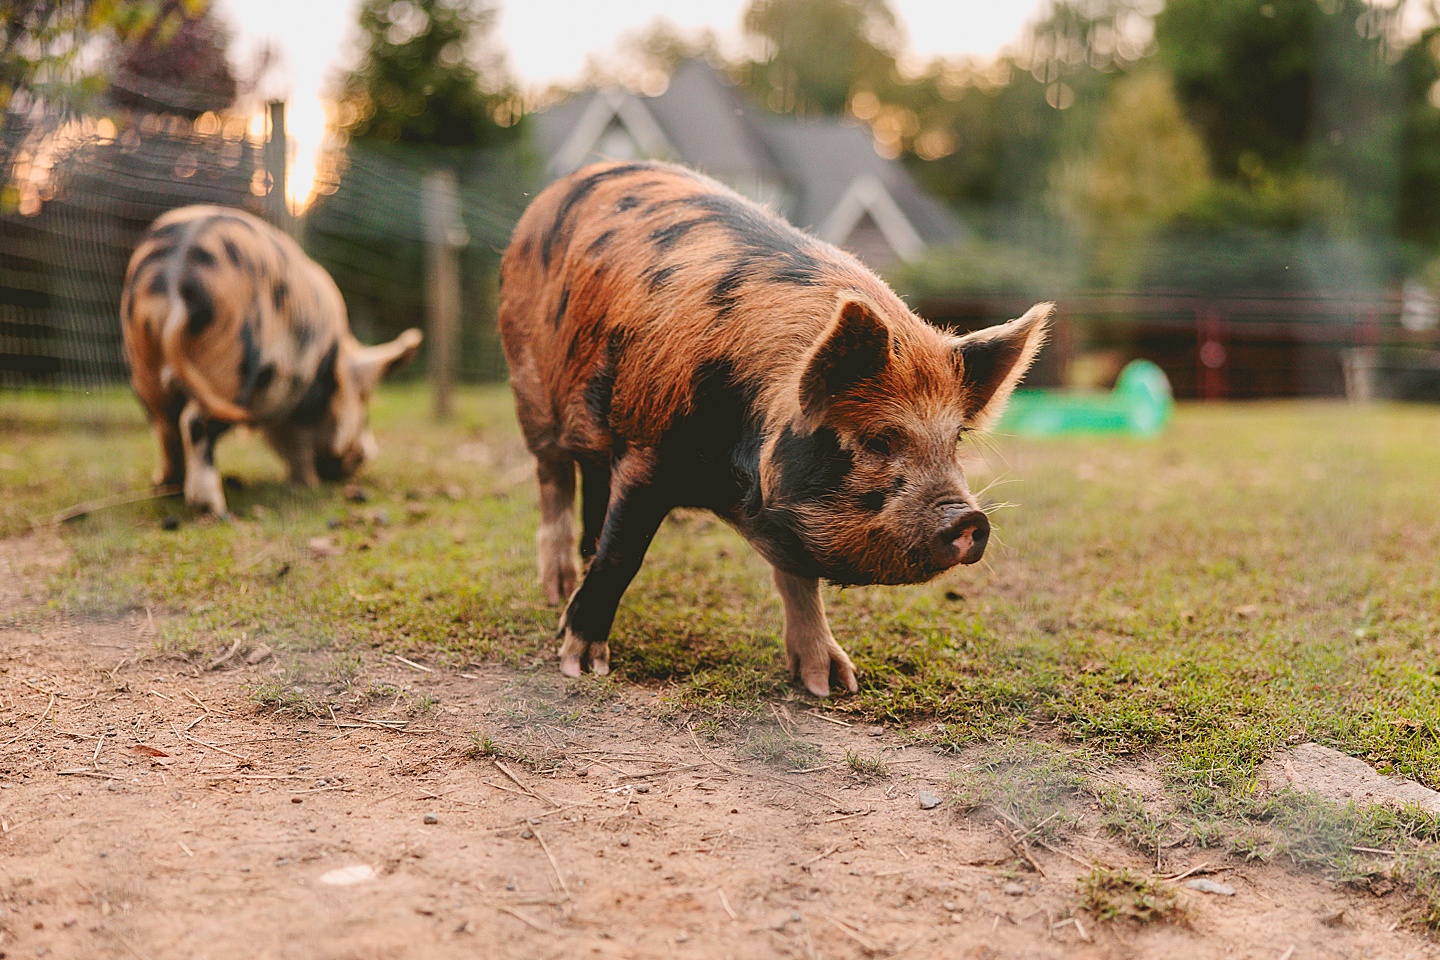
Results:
[226, 321]
[684, 347]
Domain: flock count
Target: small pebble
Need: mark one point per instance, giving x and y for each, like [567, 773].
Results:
[642, 788]
[583, 772]
[1013, 889]
[1210, 886]
[949, 905]
[624, 841]
[356, 493]
[526, 835]
[171, 522]
[681, 937]
[794, 916]
[928, 800]
[297, 799]
[431, 818]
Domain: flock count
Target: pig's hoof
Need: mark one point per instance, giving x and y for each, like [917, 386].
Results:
[816, 667]
[600, 659]
[574, 652]
[559, 585]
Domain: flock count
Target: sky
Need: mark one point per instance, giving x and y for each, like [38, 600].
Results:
[548, 41]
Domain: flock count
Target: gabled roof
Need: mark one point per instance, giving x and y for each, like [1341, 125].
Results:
[840, 177]
[823, 175]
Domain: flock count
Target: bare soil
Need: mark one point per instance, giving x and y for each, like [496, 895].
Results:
[151, 808]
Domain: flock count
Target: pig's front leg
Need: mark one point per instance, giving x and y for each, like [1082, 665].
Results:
[637, 507]
[809, 647]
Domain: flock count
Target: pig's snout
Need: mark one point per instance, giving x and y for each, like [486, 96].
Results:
[963, 533]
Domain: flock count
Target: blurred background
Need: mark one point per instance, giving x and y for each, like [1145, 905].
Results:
[1246, 192]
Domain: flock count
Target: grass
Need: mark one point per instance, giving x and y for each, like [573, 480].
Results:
[1260, 575]
[1126, 895]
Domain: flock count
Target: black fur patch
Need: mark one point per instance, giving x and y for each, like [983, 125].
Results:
[600, 242]
[874, 500]
[722, 295]
[667, 236]
[810, 467]
[315, 402]
[560, 307]
[232, 252]
[626, 202]
[200, 257]
[659, 276]
[581, 189]
[280, 294]
[600, 391]
[198, 304]
[255, 374]
[303, 331]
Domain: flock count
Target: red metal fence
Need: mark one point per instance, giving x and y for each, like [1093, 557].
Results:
[1211, 348]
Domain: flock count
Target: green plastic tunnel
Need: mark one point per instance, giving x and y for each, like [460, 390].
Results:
[1140, 405]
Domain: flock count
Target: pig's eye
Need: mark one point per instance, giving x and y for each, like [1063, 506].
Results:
[880, 444]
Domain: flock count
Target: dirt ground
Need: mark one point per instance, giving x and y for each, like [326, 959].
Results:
[150, 808]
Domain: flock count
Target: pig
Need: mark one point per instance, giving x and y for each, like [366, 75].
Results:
[684, 347]
[226, 321]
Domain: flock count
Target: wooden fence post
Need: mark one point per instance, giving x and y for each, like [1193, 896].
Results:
[444, 237]
[277, 211]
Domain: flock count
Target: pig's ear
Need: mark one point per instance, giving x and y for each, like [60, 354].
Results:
[992, 361]
[370, 365]
[855, 349]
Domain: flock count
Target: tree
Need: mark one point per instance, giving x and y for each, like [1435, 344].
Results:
[431, 90]
[1419, 189]
[176, 65]
[1148, 166]
[816, 54]
[429, 74]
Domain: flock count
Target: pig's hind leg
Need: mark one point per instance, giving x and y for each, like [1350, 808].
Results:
[809, 646]
[594, 502]
[556, 540]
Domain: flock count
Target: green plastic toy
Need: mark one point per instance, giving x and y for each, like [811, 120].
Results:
[1140, 406]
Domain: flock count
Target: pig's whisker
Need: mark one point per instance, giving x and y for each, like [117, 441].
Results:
[995, 483]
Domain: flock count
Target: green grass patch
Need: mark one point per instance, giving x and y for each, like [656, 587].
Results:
[1261, 574]
[1126, 895]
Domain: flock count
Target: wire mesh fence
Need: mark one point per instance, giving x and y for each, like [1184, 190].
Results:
[80, 198]
[81, 195]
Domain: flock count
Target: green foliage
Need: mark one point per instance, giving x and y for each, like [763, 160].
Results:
[44, 43]
[1418, 206]
[1147, 166]
[177, 65]
[819, 53]
[976, 266]
[1286, 87]
[429, 74]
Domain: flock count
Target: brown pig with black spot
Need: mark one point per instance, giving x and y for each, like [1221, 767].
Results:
[684, 347]
[227, 321]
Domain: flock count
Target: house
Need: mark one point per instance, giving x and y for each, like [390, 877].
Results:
[823, 175]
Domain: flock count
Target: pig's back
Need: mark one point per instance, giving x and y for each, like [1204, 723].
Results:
[625, 282]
